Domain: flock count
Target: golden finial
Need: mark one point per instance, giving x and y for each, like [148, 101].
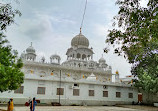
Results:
[117, 72]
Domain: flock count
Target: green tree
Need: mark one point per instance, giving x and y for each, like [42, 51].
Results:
[136, 38]
[11, 76]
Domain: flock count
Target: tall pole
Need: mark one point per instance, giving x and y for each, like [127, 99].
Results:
[59, 86]
[83, 16]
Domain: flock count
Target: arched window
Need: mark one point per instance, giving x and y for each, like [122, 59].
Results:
[79, 65]
[88, 57]
[83, 56]
[78, 55]
[91, 65]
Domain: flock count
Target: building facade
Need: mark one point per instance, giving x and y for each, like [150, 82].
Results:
[79, 80]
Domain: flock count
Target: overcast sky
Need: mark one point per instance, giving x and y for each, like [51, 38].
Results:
[51, 25]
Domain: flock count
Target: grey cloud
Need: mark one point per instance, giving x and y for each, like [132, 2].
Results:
[36, 28]
[35, 32]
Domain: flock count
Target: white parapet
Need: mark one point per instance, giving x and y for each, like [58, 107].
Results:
[156, 104]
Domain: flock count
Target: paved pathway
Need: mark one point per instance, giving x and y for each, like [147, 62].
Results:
[75, 108]
[140, 107]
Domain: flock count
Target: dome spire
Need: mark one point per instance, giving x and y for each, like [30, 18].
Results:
[31, 44]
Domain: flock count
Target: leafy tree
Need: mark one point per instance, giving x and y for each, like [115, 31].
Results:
[136, 37]
[11, 76]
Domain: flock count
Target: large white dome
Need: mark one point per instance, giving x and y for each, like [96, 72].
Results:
[80, 40]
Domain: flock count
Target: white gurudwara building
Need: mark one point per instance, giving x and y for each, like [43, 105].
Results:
[79, 80]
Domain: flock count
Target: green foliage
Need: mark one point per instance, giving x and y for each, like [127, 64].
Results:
[138, 36]
[11, 76]
[7, 14]
[147, 72]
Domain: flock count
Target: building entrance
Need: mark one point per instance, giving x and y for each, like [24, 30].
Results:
[140, 96]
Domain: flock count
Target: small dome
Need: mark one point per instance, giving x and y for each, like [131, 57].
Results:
[55, 56]
[101, 60]
[80, 40]
[43, 58]
[30, 49]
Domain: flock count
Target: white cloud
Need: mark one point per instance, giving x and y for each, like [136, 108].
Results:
[61, 19]
[117, 62]
[100, 30]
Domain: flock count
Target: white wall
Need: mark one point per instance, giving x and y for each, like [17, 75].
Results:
[30, 90]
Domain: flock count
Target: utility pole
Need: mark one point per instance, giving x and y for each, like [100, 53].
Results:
[59, 86]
